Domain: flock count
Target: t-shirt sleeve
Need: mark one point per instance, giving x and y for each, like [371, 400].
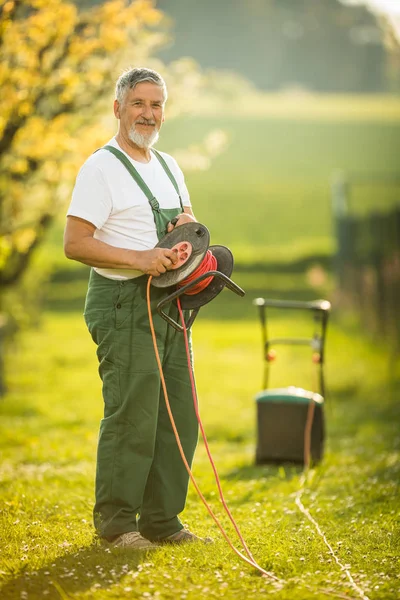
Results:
[91, 198]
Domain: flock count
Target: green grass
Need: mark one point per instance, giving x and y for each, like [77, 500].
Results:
[48, 427]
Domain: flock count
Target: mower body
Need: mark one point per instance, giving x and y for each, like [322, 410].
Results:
[291, 420]
[281, 422]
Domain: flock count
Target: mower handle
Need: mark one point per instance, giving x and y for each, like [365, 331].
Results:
[323, 305]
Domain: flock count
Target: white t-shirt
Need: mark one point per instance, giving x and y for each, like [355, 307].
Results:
[106, 195]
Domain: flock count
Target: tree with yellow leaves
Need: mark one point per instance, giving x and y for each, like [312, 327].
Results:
[57, 64]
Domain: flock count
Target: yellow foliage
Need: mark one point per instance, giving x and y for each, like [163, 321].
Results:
[5, 249]
[8, 6]
[19, 166]
[56, 64]
[23, 238]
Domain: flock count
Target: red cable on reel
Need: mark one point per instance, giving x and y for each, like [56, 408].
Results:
[209, 263]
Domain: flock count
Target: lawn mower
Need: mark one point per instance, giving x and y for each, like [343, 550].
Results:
[290, 420]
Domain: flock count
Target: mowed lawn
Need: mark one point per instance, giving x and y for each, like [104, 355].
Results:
[48, 427]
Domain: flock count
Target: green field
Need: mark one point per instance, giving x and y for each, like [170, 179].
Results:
[268, 198]
[268, 195]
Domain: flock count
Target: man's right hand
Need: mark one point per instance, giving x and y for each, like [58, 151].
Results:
[157, 261]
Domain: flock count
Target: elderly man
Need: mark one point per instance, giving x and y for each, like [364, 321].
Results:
[126, 195]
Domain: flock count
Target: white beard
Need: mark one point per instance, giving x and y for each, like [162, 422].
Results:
[143, 141]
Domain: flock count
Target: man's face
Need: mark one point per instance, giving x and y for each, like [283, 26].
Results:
[141, 114]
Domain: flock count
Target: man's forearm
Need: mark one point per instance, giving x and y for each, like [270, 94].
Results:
[96, 253]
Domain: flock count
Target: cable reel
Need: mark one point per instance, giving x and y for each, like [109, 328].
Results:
[191, 242]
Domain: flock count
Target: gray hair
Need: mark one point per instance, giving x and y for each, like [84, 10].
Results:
[131, 77]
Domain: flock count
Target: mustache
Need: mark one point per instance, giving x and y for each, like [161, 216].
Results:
[145, 122]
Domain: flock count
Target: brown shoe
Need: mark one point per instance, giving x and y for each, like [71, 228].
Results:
[184, 536]
[133, 540]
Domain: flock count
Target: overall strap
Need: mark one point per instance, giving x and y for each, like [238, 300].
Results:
[139, 180]
[169, 173]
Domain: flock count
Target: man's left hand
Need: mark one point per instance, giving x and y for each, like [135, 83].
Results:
[180, 220]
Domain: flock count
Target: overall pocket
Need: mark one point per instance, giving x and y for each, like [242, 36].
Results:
[109, 376]
[124, 305]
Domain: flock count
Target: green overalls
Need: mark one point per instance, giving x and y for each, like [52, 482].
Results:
[140, 472]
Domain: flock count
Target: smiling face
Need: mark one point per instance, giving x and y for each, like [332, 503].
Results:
[141, 114]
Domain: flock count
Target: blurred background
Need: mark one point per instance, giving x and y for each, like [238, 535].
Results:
[283, 114]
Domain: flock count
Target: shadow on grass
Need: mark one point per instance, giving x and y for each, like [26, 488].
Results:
[301, 265]
[67, 298]
[92, 567]
[67, 290]
[284, 471]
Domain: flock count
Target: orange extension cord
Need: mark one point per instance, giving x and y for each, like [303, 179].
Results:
[250, 560]
[204, 267]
